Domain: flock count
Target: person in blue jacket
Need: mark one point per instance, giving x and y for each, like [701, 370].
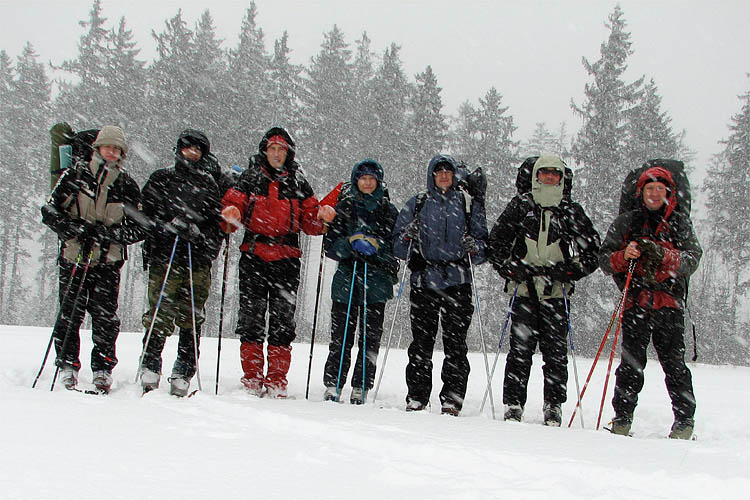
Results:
[438, 232]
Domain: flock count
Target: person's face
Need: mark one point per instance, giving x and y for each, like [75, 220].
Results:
[191, 153]
[549, 176]
[654, 195]
[110, 153]
[276, 155]
[367, 184]
[443, 178]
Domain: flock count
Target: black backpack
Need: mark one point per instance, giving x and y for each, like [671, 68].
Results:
[79, 147]
[523, 177]
[629, 202]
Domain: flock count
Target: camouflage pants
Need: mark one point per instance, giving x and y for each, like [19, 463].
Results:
[175, 310]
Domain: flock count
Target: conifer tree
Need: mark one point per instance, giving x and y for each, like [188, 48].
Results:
[428, 129]
[287, 90]
[599, 147]
[363, 102]
[248, 112]
[326, 139]
[496, 151]
[649, 134]
[86, 97]
[24, 186]
[727, 186]
[389, 93]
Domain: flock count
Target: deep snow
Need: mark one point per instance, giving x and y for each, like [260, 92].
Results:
[70, 445]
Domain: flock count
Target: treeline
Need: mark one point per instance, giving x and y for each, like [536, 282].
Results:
[349, 102]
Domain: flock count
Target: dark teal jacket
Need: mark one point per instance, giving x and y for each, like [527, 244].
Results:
[373, 215]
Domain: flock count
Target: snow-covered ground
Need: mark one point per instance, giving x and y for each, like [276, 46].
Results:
[70, 445]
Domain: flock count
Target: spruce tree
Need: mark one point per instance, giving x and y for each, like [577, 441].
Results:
[727, 186]
[428, 128]
[496, 151]
[87, 97]
[325, 143]
[600, 145]
[287, 90]
[249, 112]
[26, 183]
[389, 93]
[649, 134]
[363, 120]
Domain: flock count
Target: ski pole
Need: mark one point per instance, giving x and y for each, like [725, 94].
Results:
[393, 323]
[364, 336]
[156, 311]
[321, 273]
[596, 361]
[59, 313]
[573, 353]
[499, 347]
[221, 309]
[192, 312]
[596, 358]
[481, 335]
[614, 341]
[66, 338]
[346, 329]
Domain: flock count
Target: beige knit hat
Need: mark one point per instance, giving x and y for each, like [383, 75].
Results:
[110, 135]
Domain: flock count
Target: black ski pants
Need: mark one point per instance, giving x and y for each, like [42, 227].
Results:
[666, 328]
[268, 286]
[373, 333]
[99, 296]
[543, 323]
[453, 308]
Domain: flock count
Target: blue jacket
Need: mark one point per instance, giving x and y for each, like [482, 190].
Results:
[442, 222]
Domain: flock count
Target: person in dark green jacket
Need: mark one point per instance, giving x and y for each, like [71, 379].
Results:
[359, 236]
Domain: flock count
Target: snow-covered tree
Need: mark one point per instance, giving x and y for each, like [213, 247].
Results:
[727, 186]
[428, 129]
[599, 148]
[24, 182]
[326, 139]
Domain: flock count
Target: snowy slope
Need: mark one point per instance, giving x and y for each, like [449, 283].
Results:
[69, 445]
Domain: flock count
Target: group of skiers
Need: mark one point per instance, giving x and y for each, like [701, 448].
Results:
[542, 243]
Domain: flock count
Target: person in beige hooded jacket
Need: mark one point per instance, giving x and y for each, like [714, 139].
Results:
[88, 209]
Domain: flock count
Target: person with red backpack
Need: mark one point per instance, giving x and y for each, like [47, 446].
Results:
[659, 237]
[274, 202]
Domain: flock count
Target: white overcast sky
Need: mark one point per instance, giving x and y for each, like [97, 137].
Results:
[698, 52]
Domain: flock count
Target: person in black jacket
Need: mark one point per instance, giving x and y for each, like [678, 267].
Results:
[183, 204]
[89, 210]
[541, 244]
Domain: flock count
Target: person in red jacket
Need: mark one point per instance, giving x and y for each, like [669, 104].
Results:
[661, 241]
[274, 202]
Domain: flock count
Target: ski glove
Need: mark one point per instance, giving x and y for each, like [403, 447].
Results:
[187, 231]
[565, 273]
[364, 244]
[469, 245]
[652, 255]
[411, 231]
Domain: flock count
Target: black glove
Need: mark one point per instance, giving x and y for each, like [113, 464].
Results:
[563, 272]
[652, 255]
[70, 229]
[522, 272]
[187, 231]
[411, 231]
[469, 245]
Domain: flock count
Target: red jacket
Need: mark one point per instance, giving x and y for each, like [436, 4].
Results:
[275, 205]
